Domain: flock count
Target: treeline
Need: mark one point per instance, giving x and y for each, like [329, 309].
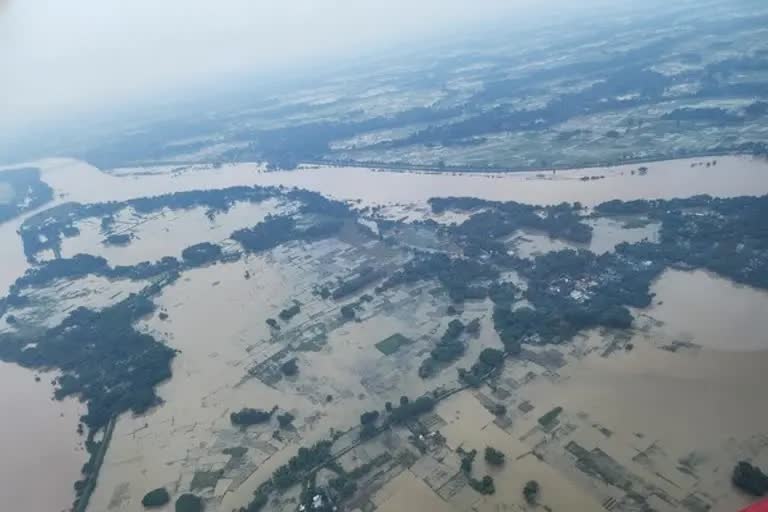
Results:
[750, 479]
[449, 348]
[81, 265]
[46, 229]
[478, 234]
[455, 274]
[101, 357]
[201, 254]
[301, 467]
[723, 235]
[279, 229]
[575, 290]
[248, 416]
[489, 360]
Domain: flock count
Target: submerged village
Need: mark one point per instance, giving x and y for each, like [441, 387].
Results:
[297, 352]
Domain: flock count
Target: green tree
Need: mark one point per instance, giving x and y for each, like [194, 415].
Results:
[531, 492]
[285, 420]
[156, 498]
[189, 503]
[290, 367]
[749, 479]
[494, 456]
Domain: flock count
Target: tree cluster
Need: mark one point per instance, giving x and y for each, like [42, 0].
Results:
[448, 349]
[248, 416]
[750, 479]
[101, 357]
[201, 254]
[156, 498]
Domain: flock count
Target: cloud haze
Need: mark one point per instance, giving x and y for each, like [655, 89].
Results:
[59, 55]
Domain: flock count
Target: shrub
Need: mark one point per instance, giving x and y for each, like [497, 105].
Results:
[285, 419]
[550, 417]
[494, 456]
[531, 491]
[156, 498]
[750, 479]
[189, 503]
[290, 368]
[248, 416]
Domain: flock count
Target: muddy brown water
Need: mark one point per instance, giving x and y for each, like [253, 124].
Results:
[41, 451]
[75, 181]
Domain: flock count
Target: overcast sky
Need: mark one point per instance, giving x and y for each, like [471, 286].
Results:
[59, 56]
[63, 57]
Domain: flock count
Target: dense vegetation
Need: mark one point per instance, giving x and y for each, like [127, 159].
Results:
[115, 369]
[409, 410]
[448, 349]
[750, 479]
[289, 312]
[531, 492]
[156, 498]
[101, 357]
[118, 239]
[499, 219]
[569, 290]
[305, 460]
[290, 367]
[201, 254]
[285, 419]
[457, 275]
[484, 485]
[189, 503]
[494, 456]
[247, 416]
[549, 418]
[276, 230]
[726, 236]
[46, 229]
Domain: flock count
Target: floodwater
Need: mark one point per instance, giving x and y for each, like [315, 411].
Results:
[607, 233]
[206, 373]
[711, 311]
[407, 492]
[74, 180]
[707, 402]
[732, 176]
[165, 233]
[41, 451]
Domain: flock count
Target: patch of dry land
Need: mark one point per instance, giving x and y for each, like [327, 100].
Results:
[651, 415]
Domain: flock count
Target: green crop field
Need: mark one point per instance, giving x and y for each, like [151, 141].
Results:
[392, 344]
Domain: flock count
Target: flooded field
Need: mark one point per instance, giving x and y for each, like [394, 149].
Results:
[687, 352]
[404, 193]
[728, 316]
[163, 234]
[42, 452]
[49, 306]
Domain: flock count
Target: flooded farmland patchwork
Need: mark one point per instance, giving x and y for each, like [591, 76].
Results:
[323, 329]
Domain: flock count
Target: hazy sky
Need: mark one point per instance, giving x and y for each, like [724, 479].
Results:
[60, 56]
